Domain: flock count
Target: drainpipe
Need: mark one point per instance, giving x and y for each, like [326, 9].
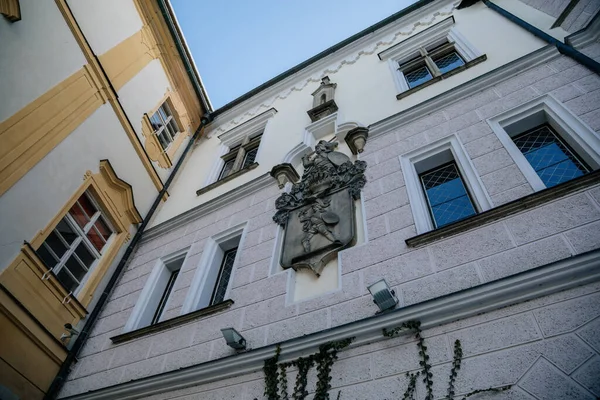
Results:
[563, 48]
[61, 377]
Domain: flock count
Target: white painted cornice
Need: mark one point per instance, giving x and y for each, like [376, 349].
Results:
[210, 206]
[463, 91]
[329, 65]
[248, 128]
[528, 285]
[586, 36]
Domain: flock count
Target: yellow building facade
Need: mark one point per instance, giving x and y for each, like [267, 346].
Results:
[100, 99]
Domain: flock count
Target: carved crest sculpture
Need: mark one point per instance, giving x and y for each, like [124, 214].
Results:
[318, 212]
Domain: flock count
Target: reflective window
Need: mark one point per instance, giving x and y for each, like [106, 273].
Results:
[552, 159]
[446, 195]
[224, 276]
[449, 62]
[77, 241]
[164, 125]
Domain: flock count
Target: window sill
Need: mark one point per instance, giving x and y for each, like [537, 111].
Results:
[448, 74]
[524, 203]
[170, 323]
[226, 179]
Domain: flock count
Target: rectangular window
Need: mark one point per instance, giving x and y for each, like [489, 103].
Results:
[164, 125]
[446, 195]
[551, 158]
[78, 240]
[240, 157]
[224, 276]
[174, 272]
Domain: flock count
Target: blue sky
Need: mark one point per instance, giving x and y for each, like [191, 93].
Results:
[239, 44]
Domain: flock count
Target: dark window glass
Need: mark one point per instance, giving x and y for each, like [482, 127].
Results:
[78, 215]
[66, 280]
[250, 157]
[66, 231]
[552, 159]
[57, 245]
[84, 255]
[446, 194]
[224, 276]
[449, 62]
[47, 257]
[75, 268]
[165, 297]
[87, 206]
[417, 76]
[227, 168]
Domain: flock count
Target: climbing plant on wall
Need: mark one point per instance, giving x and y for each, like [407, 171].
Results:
[276, 383]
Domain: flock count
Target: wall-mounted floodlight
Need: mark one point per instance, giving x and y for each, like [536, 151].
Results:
[234, 339]
[383, 296]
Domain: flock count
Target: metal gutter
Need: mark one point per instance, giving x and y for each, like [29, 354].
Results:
[324, 53]
[565, 49]
[61, 377]
[184, 53]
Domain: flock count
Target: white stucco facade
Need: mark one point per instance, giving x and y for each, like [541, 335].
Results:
[517, 283]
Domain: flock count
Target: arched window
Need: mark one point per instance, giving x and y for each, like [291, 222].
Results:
[323, 98]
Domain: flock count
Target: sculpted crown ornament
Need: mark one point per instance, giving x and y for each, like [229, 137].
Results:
[318, 212]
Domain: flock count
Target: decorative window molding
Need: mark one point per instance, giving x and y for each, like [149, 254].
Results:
[241, 136]
[312, 133]
[11, 10]
[155, 294]
[32, 283]
[431, 156]
[163, 130]
[209, 271]
[426, 54]
[545, 110]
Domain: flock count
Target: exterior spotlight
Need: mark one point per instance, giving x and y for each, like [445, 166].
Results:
[234, 339]
[383, 296]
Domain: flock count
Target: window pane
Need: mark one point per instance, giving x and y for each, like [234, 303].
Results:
[553, 161]
[226, 168]
[87, 205]
[56, 244]
[65, 279]
[452, 211]
[66, 231]
[173, 127]
[417, 76]
[164, 139]
[224, 276]
[165, 297]
[449, 62]
[156, 122]
[250, 157]
[84, 255]
[166, 110]
[103, 229]
[446, 194]
[96, 238]
[47, 257]
[75, 268]
[163, 113]
[78, 215]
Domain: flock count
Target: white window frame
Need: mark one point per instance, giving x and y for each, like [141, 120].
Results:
[403, 51]
[163, 129]
[545, 109]
[429, 157]
[146, 306]
[237, 136]
[81, 238]
[206, 275]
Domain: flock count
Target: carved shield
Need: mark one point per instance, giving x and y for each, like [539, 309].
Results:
[314, 233]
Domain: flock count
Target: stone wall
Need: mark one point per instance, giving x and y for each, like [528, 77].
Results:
[550, 232]
[547, 348]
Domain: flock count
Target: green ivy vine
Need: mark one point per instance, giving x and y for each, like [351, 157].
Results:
[426, 367]
[276, 385]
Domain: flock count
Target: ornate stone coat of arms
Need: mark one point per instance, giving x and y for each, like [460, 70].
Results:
[318, 213]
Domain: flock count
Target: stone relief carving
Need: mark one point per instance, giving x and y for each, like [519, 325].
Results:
[318, 213]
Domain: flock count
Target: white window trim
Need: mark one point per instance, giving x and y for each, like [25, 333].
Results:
[312, 133]
[142, 311]
[236, 136]
[416, 196]
[573, 130]
[212, 255]
[445, 29]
